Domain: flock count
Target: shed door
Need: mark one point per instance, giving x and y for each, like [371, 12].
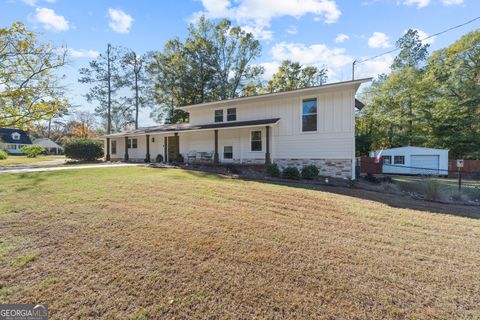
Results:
[427, 164]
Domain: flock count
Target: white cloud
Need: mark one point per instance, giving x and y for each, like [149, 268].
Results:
[422, 35]
[374, 67]
[292, 30]
[50, 20]
[120, 21]
[31, 3]
[315, 54]
[256, 15]
[82, 53]
[270, 68]
[341, 38]
[418, 3]
[379, 40]
[451, 2]
[51, 1]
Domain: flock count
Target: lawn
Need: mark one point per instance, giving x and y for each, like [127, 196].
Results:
[11, 160]
[148, 243]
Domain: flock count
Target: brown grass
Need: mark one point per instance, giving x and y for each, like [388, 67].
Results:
[156, 243]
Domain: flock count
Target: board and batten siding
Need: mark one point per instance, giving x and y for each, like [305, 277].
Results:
[334, 138]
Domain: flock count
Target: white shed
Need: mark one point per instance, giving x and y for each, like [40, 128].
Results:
[414, 160]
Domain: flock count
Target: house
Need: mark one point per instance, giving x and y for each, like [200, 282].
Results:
[50, 146]
[414, 160]
[314, 125]
[12, 140]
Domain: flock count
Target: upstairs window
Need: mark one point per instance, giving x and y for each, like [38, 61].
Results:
[232, 114]
[132, 143]
[399, 160]
[219, 115]
[16, 136]
[309, 115]
[114, 147]
[256, 141]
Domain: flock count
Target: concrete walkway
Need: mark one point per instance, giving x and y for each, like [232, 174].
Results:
[70, 167]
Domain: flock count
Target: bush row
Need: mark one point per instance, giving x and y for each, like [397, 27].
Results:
[309, 172]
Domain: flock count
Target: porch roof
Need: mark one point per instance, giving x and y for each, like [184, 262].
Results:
[181, 127]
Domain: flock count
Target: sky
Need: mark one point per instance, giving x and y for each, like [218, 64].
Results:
[333, 33]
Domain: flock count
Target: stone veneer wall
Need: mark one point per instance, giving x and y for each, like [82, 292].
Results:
[338, 168]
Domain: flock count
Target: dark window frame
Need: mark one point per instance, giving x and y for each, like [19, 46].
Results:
[218, 117]
[396, 158]
[132, 143]
[113, 146]
[229, 153]
[232, 116]
[307, 115]
[256, 143]
[389, 159]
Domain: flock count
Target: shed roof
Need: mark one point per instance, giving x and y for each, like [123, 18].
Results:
[47, 143]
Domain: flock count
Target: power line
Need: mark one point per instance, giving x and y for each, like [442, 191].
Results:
[426, 38]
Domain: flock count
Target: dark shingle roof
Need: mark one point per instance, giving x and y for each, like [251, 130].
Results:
[6, 136]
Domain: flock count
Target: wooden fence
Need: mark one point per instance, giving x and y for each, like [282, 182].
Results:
[368, 165]
[471, 169]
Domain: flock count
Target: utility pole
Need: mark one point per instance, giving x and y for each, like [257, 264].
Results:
[109, 102]
[353, 69]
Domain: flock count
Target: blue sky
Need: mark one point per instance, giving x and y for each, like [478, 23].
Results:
[313, 32]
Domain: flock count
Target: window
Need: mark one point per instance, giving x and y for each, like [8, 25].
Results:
[114, 147]
[232, 114]
[399, 160]
[256, 141]
[16, 136]
[132, 143]
[309, 115]
[227, 152]
[153, 139]
[387, 159]
[219, 115]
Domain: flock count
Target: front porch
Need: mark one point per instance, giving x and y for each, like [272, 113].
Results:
[247, 142]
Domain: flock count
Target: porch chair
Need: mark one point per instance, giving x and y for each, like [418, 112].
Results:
[191, 156]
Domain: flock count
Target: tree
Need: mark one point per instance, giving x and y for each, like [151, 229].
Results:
[413, 51]
[136, 78]
[83, 125]
[30, 89]
[214, 62]
[105, 76]
[292, 75]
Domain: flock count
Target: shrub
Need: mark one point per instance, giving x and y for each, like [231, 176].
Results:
[291, 173]
[310, 172]
[32, 151]
[273, 170]
[432, 190]
[83, 149]
[3, 155]
[159, 158]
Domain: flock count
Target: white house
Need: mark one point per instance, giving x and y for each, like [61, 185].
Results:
[313, 125]
[12, 140]
[49, 145]
[414, 160]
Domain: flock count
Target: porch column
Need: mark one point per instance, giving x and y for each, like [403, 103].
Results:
[177, 147]
[165, 150]
[147, 156]
[215, 155]
[126, 149]
[268, 160]
[107, 156]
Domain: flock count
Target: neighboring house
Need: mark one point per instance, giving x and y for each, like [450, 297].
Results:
[313, 125]
[12, 140]
[414, 160]
[50, 146]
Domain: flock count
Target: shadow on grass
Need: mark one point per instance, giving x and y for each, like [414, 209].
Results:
[392, 200]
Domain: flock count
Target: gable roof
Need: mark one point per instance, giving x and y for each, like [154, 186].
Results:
[47, 143]
[282, 94]
[6, 135]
